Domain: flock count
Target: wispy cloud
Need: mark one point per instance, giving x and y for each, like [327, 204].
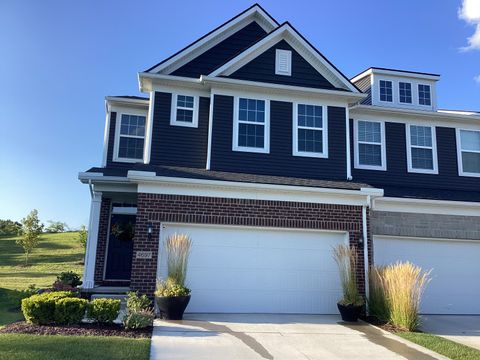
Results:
[477, 79]
[470, 12]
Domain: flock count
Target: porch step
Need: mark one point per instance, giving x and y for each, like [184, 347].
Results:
[121, 297]
[122, 290]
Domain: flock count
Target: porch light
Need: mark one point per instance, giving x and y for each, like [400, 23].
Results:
[149, 230]
[360, 240]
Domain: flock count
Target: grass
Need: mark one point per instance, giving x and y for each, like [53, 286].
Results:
[55, 253]
[20, 347]
[440, 345]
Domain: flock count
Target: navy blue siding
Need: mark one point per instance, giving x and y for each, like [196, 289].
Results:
[279, 161]
[397, 174]
[178, 145]
[262, 68]
[205, 63]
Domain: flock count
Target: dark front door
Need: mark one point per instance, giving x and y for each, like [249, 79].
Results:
[120, 247]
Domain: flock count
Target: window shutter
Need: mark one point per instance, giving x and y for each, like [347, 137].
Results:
[283, 62]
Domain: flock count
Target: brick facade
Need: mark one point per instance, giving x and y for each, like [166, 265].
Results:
[157, 208]
[102, 239]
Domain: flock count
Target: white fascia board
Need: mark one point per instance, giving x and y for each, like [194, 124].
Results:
[287, 33]
[424, 206]
[401, 115]
[402, 74]
[150, 82]
[256, 13]
[149, 183]
[286, 90]
[85, 177]
[113, 100]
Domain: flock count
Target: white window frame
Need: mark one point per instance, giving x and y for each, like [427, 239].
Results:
[116, 147]
[410, 167]
[380, 91]
[411, 93]
[418, 95]
[459, 153]
[236, 123]
[278, 54]
[324, 130]
[173, 112]
[383, 151]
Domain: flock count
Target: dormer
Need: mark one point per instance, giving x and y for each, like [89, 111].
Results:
[398, 88]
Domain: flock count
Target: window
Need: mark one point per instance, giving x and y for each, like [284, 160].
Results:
[310, 130]
[370, 145]
[283, 62]
[421, 149]
[184, 110]
[405, 92]
[131, 137]
[469, 154]
[251, 125]
[424, 95]
[386, 93]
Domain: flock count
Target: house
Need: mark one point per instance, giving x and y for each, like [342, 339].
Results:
[253, 143]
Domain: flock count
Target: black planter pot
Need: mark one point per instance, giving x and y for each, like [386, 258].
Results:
[172, 308]
[350, 313]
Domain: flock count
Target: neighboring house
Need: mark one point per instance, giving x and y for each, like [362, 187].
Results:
[260, 149]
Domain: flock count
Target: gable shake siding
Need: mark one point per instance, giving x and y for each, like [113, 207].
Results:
[262, 69]
[158, 208]
[397, 175]
[211, 59]
[280, 160]
[178, 145]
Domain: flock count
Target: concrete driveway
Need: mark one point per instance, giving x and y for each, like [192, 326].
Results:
[464, 329]
[261, 336]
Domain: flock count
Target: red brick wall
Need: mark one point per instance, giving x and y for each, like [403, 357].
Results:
[102, 239]
[157, 208]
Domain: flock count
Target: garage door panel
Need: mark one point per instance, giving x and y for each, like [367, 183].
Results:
[239, 269]
[455, 271]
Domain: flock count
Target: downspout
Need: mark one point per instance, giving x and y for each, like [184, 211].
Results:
[210, 129]
[90, 187]
[347, 128]
[365, 245]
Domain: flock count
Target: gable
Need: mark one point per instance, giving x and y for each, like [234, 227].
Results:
[223, 51]
[262, 69]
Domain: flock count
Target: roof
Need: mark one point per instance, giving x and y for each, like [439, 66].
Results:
[130, 97]
[203, 174]
[373, 69]
[430, 194]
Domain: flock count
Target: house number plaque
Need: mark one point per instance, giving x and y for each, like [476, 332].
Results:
[144, 255]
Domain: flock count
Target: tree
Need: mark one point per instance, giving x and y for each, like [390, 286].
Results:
[83, 235]
[56, 227]
[9, 228]
[31, 230]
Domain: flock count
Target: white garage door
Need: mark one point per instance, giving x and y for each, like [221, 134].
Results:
[257, 270]
[455, 285]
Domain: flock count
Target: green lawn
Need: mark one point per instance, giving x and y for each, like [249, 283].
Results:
[20, 347]
[442, 346]
[55, 253]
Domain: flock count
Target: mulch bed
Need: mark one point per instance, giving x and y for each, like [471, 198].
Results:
[381, 324]
[22, 327]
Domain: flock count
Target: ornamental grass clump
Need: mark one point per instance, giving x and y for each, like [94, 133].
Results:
[377, 300]
[178, 250]
[346, 258]
[404, 284]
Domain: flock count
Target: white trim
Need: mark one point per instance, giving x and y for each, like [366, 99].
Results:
[410, 167]
[149, 129]
[323, 129]
[106, 134]
[265, 124]
[411, 92]
[347, 142]
[209, 41]
[285, 55]
[419, 238]
[92, 241]
[287, 33]
[210, 131]
[149, 183]
[398, 73]
[116, 147]
[382, 144]
[422, 206]
[459, 153]
[431, 96]
[127, 102]
[366, 266]
[380, 91]
[174, 107]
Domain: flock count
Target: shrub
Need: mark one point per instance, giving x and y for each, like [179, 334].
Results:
[40, 309]
[404, 284]
[377, 300]
[70, 310]
[103, 310]
[60, 286]
[69, 278]
[138, 319]
[136, 302]
[346, 258]
[170, 288]
[178, 250]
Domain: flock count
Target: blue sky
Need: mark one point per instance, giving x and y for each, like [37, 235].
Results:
[60, 58]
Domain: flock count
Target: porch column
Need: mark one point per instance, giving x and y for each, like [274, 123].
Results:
[92, 240]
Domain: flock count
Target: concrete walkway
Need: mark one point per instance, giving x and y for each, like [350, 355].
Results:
[464, 329]
[261, 336]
